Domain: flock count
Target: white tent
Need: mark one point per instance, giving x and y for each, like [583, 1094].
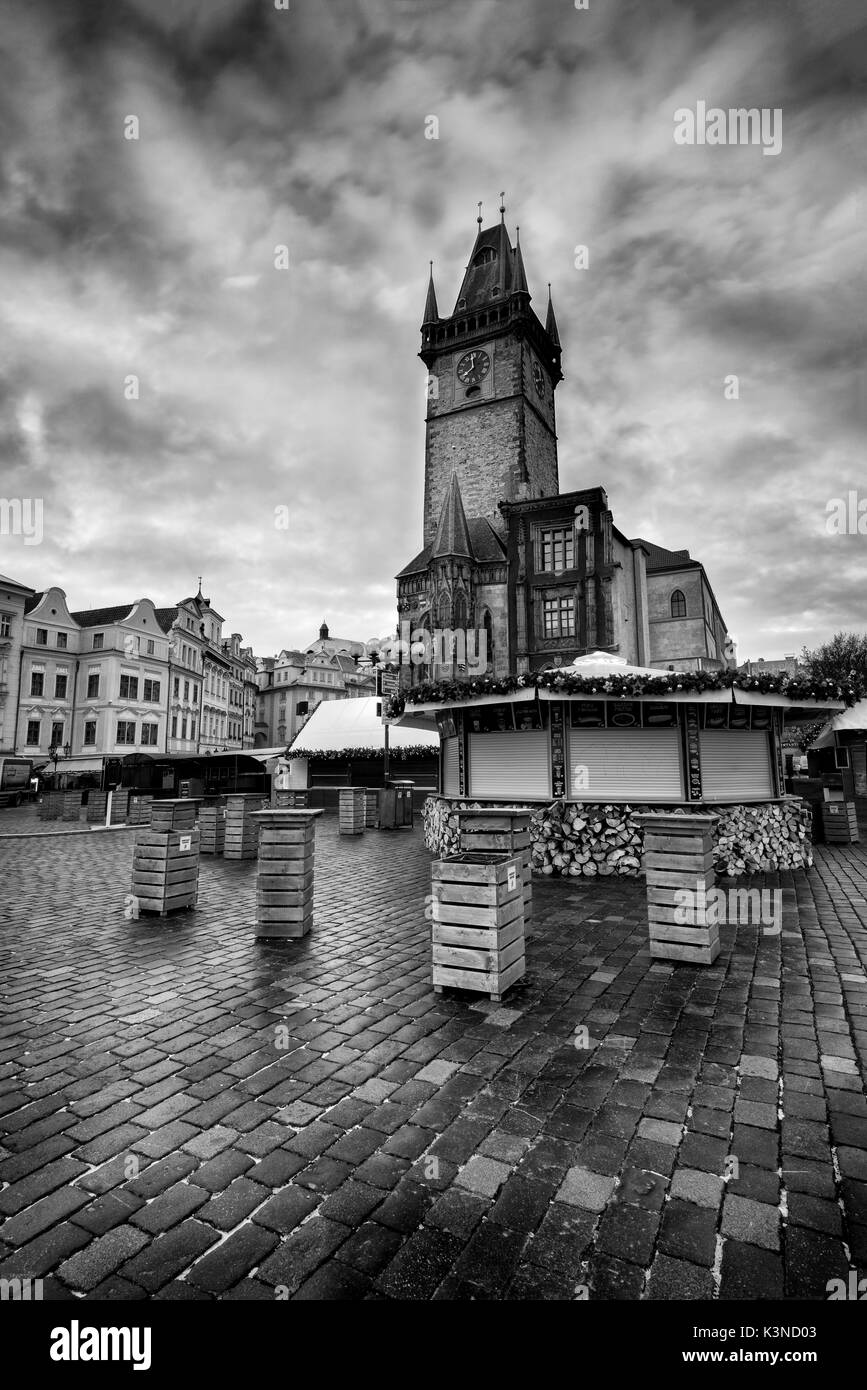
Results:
[849, 720]
[336, 725]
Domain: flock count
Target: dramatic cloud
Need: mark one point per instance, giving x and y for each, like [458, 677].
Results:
[165, 386]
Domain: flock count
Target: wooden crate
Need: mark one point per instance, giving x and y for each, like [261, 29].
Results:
[371, 808]
[288, 798]
[140, 810]
[119, 805]
[351, 811]
[72, 806]
[212, 829]
[96, 805]
[840, 823]
[284, 882]
[165, 870]
[502, 828]
[52, 806]
[678, 856]
[242, 832]
[175, 813]
[477, 936]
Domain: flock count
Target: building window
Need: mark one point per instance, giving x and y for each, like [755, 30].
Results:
[558, 549]
[151, 692]
[195, 694]
[62, 641]
[129, 687]
[177, 687]
[98, 641]
[33, 731]
[192, 728]
[93, 686]
[57, 734]
[149, 735]
[5, 624]
[60, 687]
[174, 726]
[559, 617]
[37, 683]
[90, 733]
[42, 637]
[126, 731]
[678, 604]
[150, 647]
[186, 690]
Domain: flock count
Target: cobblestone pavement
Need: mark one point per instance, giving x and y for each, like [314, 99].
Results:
[17, 821]
[186, 1113]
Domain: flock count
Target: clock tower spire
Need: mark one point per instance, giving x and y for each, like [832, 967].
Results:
[494, 368]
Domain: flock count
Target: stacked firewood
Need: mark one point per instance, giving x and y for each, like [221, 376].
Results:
[584, 839]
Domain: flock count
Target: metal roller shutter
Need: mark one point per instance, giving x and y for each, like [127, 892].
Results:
[625, 765]
[510, 764]
[735, 763]
[451, 773]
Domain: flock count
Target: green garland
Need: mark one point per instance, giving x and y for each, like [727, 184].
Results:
[566, 682]
[348, 755]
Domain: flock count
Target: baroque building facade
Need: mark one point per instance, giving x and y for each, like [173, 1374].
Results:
[541, 576]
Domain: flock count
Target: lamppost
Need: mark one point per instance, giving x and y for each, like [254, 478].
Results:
[55, 753]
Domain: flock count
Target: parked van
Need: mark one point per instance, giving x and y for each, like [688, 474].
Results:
[15, 774]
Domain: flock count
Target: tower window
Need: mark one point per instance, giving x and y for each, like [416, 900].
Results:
[678, 604]
[495, 291]
[558, 549]
[559, 616]
[485, 256]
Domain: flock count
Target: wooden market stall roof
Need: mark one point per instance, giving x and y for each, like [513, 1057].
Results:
[354, 728]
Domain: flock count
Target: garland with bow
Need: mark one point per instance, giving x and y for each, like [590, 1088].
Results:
[566, 682]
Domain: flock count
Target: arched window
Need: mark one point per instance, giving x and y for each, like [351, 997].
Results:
[485, 256]
[678, 604]
[460, 612]
[444, 609]
[488, 626]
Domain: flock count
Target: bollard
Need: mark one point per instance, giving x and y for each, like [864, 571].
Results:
[351, 811]
[165, 872]
[478, 922]
[678, 859]
[284, 882]
[502, 828]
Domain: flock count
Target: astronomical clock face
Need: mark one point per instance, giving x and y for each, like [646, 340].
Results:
[473, 367]
[538, 379]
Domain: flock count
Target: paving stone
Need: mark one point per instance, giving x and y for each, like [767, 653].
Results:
[753, 1223]
[678, 1279]
[169, 1255]
[287, 1209]
[583, 1188]
[692, 1185]
[298, 1257]
[102, 1257]
[233, 1259]
[688, 1232]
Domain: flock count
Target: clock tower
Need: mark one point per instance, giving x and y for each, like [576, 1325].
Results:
[493, 368]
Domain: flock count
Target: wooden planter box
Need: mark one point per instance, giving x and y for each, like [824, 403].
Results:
[119, 805]
[212, 829]
[839, 822]
[242, 831]
[72, 806]
[52, 806]
[284, 883]
[478, 922]
[140, 810]
[351, 811]
[678, 856]
[165, 872]
[176, 813]
[371, 808]
[96, 804]
[504, 828]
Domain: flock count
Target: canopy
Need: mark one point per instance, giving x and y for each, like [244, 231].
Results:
[851, 720]
[338, 725]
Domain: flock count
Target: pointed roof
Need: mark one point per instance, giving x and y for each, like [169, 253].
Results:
[453, 536]
[431, 312]
[519, 285]
[551, 322]
[487, 272]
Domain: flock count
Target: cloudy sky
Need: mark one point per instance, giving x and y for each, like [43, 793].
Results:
[262, 388]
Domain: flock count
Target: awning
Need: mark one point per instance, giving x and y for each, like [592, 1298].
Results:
[851, 720]
[75, 764]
